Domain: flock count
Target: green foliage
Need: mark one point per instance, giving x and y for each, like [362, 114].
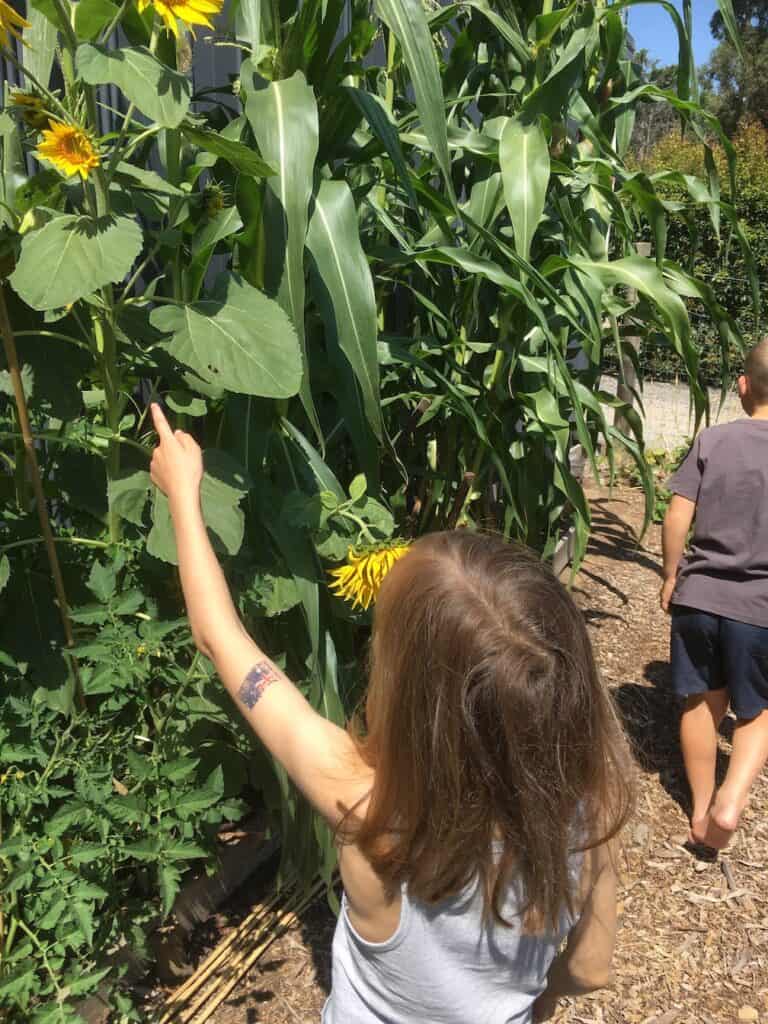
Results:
[736, 76]
[378, 284]
[721, 262]
[660, 464]
[130, 789]
[158, 92]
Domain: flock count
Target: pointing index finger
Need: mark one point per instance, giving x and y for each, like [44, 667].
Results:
[162, 426]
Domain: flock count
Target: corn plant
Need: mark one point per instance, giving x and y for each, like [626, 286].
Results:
[374, 275]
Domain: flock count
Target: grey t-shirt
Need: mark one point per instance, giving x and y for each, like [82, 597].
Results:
[725, 570]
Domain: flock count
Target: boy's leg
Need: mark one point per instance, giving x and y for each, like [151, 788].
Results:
[750, 753]
[701, 717]
[697, 676]
[744, 650]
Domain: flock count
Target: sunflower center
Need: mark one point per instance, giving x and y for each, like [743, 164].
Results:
[76, 147]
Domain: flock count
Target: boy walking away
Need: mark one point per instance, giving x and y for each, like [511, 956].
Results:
[717, 594]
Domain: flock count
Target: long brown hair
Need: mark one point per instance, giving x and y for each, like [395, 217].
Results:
[485, 719]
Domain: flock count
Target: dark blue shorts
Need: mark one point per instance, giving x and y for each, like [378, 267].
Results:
[710, 652]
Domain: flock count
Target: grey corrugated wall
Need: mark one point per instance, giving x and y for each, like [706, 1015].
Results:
[211, 65]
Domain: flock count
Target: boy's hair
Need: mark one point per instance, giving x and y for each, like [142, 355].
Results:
[756, 370]
[486, 719]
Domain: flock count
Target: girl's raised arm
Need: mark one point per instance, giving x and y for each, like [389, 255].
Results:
[318, 756]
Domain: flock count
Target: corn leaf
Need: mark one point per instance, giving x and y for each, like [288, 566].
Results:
[524, 159]
[284, 120]
[347, 298]
[408, 21]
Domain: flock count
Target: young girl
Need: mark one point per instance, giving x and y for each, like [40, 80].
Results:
[473, 814]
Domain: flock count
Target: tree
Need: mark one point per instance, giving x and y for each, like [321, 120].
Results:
[653, 121]
[748, 14]
[722, 265]
[735, 88]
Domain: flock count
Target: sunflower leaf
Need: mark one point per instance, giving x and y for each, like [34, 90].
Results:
[72, 256]
[160, 93]
[242, 342]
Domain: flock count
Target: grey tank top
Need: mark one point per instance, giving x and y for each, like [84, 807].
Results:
[442, 965]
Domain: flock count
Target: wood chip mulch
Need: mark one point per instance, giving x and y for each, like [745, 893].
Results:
[693, 939]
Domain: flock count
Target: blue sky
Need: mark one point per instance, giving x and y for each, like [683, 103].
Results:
[654, 31]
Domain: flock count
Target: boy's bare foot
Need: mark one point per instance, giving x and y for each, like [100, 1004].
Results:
[718, 827]
[698, 830]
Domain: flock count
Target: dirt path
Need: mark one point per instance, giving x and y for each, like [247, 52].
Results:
[691, 950]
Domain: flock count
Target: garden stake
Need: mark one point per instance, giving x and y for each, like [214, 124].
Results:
[223, 970]
[12, 358]
[243, 965]
[193, 983]
[235, 956]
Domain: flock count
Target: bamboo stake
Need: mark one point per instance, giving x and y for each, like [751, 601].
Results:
[231, 965]
[235, 956]
[245, 965]
[245, 927]
[12, 358]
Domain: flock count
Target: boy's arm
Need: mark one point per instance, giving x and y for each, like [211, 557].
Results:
[585, 963]
[677, 523]
[318, 756]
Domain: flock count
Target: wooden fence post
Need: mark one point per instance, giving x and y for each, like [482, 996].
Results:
[628, 380]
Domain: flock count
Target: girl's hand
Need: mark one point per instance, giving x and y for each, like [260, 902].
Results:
[177, 462]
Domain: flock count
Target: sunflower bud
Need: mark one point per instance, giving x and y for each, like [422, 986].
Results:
[31, 108]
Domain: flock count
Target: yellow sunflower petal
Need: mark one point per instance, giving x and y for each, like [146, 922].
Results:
[165, 11]
[190, 16]
[10, 23]
[358, 581]
[189, 12]
[69, 149]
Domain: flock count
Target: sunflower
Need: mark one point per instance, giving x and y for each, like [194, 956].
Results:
[68, 148]
[214, 198]
[359, 579]
[31, 108]
[10, 23]
[190, 12]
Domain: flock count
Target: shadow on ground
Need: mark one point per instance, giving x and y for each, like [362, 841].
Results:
[651, 719]
[612, 538]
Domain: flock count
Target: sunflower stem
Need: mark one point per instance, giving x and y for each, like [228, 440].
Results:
[358, 522]
[105, 344]
[103, 331]
[84, 542]
[135, 142]
[53, 334]
[115, 22]
[30, 79]
[113, 160]
[66, 26]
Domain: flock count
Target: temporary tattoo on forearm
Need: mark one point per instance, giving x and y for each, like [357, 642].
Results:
[255, 683]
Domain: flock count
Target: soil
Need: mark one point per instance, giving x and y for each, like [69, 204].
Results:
[693, 939]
